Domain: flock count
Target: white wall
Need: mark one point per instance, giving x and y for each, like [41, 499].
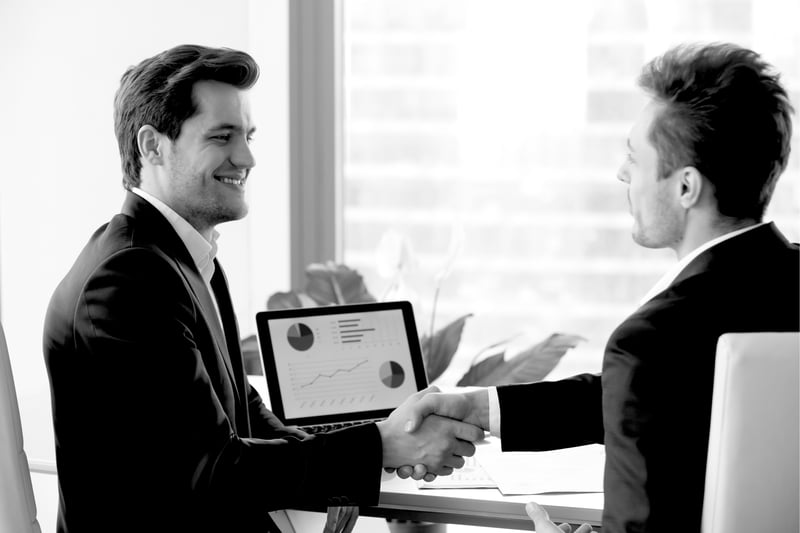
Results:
[59, 69]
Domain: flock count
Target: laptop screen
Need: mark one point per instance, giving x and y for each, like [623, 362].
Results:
[340, 363]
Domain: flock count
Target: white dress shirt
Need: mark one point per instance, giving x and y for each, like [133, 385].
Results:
[665, 281]
[201, 250]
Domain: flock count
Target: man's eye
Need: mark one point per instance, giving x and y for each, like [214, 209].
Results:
[224, 137]
[629, 157]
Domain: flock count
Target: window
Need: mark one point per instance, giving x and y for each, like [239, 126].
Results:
[501, 125]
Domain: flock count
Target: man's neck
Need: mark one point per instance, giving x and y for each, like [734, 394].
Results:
[207, 232]
[698, 234]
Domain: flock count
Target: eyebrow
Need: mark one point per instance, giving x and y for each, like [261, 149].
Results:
[628, 141]
[233, 127]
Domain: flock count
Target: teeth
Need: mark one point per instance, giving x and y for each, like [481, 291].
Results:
[232, 181]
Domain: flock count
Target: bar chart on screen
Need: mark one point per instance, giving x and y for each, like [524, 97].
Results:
[353, 332]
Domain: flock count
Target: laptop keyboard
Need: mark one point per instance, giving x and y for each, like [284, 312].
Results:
[325, 428]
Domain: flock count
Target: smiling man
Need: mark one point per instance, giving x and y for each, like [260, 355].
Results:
[156, 425]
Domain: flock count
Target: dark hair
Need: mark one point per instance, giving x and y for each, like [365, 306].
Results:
[158, 92]
[728, 116]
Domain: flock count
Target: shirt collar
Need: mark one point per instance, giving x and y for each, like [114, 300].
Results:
[201, 250]
[667, 279]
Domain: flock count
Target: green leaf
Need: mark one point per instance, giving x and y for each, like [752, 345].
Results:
[530, 365]
[438, 351]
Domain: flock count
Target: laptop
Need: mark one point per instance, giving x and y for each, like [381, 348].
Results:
[336, 366]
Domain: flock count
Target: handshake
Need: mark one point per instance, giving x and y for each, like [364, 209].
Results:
[432, 432]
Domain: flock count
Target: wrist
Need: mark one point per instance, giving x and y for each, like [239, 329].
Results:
[383, 430]
[479, 406]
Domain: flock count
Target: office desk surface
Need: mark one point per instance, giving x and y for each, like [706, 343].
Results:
[401, 499]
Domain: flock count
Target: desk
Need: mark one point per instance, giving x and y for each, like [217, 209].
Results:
[571, 469]
[401, 499]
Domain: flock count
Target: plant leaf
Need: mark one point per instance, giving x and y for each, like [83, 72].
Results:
[530, 365]
[284, 300]
[332, 283]
[492, 347]
[479, 371]
[438, 351]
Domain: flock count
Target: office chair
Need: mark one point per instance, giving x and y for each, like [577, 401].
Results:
[17, 505]
[752, 470]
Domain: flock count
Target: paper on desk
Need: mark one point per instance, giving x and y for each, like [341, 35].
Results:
[577, 469]
[470, 476]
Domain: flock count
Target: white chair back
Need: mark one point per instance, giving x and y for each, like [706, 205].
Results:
[17, 505]
[752, 471]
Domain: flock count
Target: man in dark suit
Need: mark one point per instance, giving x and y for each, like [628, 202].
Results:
[156, 425]
[703, 160]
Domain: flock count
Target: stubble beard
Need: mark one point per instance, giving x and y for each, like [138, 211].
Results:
[209, 211]
[663, 231]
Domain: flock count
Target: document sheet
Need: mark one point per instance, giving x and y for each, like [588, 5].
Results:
[578, 469]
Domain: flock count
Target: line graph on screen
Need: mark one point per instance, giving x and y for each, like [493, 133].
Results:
[337, 382]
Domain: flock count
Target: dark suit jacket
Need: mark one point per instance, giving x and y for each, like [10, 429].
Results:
[156, 426]
[652, 406]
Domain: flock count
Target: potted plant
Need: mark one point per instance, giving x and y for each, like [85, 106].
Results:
[335, 284]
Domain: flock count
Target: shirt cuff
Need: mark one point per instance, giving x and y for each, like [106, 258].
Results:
[494, 412]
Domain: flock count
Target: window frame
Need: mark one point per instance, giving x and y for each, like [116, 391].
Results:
[315, 132]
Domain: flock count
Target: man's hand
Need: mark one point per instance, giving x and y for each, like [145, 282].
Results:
[415, 472]
[471, 407]
[341, 519]
[542, 523]
[295, 431]
[438, 443]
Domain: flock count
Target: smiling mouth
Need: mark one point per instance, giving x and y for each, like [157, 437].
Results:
[231, 181]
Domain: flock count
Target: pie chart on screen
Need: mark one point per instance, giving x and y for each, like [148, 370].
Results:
[392, 374]
[300, 337]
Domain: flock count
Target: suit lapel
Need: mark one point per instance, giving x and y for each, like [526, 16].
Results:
[204, 297]
[219, 284]
[169, 241]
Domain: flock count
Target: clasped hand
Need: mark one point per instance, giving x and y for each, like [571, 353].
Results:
[432, 431]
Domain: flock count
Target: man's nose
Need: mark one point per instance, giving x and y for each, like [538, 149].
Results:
[243, 156]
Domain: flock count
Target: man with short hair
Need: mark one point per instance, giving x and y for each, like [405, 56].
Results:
[156, 425]
[703, 159]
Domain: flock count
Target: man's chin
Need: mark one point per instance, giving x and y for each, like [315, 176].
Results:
[645, 242]
[640, 238]
[233, 214]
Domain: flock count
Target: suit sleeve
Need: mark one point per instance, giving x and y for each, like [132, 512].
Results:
[551, 415]
[632, 438]
[163, 415]
[263, 422]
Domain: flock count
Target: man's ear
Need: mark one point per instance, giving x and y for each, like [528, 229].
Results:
[151, 145]
[692, 185]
